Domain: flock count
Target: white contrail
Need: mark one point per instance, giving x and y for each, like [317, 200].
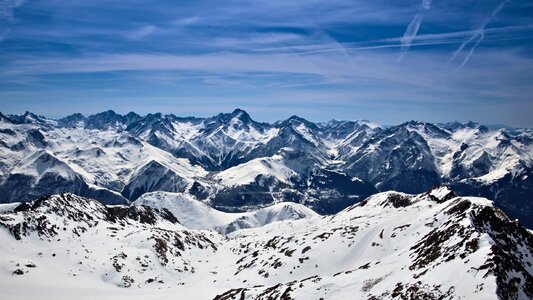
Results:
[480, 34]
[411, 31]
[460, 49]
[413, 27]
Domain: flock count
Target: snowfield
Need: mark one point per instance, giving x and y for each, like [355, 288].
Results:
[390, 246]
[246, 173]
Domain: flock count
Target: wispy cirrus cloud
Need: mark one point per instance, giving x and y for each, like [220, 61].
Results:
[413, 27]
[478, 35]
[341, 54]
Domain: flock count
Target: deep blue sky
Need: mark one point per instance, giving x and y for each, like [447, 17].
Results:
[386, 61]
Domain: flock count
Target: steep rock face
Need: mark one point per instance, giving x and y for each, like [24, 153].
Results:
[342, 130]
[390, 246]
[513, 193]
[154, 177]
[42, 173]
[229, 138]
[514, 278]
[298, 142]
[395, 159]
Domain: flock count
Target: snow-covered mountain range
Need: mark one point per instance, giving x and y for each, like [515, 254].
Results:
[433, 245]
[235, 164]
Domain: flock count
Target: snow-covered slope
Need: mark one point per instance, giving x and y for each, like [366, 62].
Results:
[396, 246]
[194, 214]
[391, 246]
[90, 162]
[270, 167]
[83, 246]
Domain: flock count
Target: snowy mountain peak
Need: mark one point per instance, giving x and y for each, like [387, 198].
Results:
[111, 120]
[76, 120]
[241, 114]
[31, 118]
[238, 115]
[296, 121]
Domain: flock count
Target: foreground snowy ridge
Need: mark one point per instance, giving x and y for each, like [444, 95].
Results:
[393, 245]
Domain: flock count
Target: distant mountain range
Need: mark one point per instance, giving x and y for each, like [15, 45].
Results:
[234, 164]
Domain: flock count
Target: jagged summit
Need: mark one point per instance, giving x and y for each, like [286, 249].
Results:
[239, 113]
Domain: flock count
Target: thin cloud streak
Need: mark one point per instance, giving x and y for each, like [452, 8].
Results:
[413, 27]
[480, 34]
[457, 37]
[266, 52]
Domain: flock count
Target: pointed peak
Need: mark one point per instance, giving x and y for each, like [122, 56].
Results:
[29, 114]
[31, 118]
[109, 112]
[295, 120]
[132, 114]
[105, 114]
[241, 114]
[238, 111]
[73, 121]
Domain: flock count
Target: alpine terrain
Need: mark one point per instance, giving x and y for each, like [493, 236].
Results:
[393, 245]
[234, 164]
[165, 207]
